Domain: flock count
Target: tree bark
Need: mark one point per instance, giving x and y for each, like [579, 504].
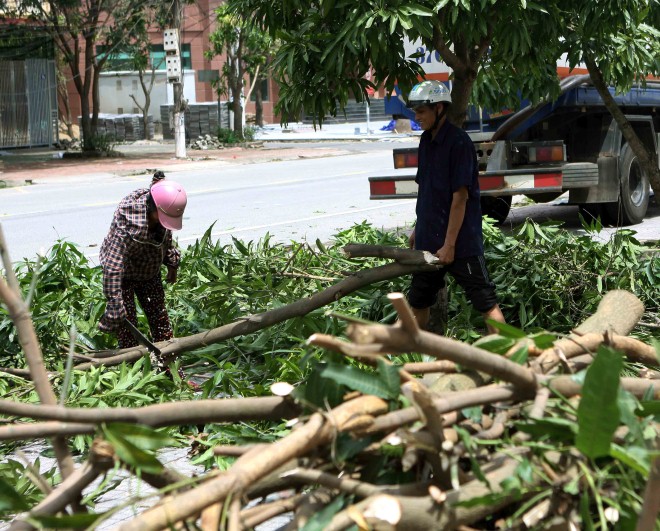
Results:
[256, 322]
[250, 467]
[618, 312]
[273, 408]
[646, 158]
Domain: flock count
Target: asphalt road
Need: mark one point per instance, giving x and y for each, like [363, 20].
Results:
[311, 198]
[291, 200]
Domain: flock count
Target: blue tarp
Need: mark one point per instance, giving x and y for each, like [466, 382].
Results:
[390, 126]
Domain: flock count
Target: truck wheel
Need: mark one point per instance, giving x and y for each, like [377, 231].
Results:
[633, 191]
[496, 207]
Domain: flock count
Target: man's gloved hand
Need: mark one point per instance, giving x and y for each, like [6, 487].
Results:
[113, 317]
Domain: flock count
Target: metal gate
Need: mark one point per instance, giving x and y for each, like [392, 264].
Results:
[28, 103]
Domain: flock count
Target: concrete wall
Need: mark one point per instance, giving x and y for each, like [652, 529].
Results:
[116, 89]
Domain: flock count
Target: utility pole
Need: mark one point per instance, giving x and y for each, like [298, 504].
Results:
[172, 46]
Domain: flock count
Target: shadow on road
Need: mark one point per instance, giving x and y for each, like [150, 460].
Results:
[649, 229]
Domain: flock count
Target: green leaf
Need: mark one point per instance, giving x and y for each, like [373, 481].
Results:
[543, 340]
[390, 377]
[10, 500]
[320, 391]
[634, 457]
[647, 408]
[495, 343]
[321, 519]
[72, 521]
[131, 454]
[143, 437]
[240, 246]
[520, 356]
[598, 412]
[554, 428]
[507, 330]
[358, 380]
[475, 414]
[347, 446]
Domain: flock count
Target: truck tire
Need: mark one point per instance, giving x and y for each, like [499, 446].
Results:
[633, 191]
[496, 207]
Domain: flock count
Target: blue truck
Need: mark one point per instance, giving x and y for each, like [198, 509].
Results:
[569, 145]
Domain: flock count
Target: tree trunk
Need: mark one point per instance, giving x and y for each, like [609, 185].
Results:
[646, 159]
[64, 109]
[88, 133]
[96, 97]
[146, 90]
[258, 104]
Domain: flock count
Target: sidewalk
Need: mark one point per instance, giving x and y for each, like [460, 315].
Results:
[20, 167]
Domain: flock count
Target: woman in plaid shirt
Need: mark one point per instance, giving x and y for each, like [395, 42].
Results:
[138, 244]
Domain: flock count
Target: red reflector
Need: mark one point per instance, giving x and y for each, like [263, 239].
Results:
[543, 154]
[405, 160]
[382, 188]
[547, 180]
[491, 182]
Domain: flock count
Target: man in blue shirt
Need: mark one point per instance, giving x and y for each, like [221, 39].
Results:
[448, 208]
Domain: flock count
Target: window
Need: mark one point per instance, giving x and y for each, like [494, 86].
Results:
[157, 55]
[121, 60]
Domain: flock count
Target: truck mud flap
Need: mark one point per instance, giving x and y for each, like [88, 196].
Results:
[580, 175]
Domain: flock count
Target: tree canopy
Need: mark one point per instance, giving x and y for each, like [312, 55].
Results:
[498, 50]
[328, 47]
[246, 50]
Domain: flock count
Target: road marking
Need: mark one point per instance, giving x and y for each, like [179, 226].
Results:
[298, 220]
[398, 202]
[104, 203]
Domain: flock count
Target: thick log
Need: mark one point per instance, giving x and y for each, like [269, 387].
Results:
[617, 313]
[249, 468]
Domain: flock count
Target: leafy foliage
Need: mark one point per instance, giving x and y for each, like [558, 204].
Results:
[219, 284]
[246, 50]
[547, 278]
[330, 49]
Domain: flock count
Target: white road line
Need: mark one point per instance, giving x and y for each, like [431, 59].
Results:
[280, 223]
[191, 193]
[293, 221]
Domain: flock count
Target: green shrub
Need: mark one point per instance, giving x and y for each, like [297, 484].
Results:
[229, 136]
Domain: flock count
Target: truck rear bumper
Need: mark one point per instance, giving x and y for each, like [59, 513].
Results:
[498, 183]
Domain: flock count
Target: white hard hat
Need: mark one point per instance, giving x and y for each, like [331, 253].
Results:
[427, 93]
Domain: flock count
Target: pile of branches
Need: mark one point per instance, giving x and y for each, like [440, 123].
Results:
[460, 451]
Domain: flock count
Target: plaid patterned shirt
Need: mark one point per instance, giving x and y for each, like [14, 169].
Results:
[130, 251]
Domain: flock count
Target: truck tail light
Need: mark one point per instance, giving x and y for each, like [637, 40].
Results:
[523, 153]
[546, 154]
[405, 158]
